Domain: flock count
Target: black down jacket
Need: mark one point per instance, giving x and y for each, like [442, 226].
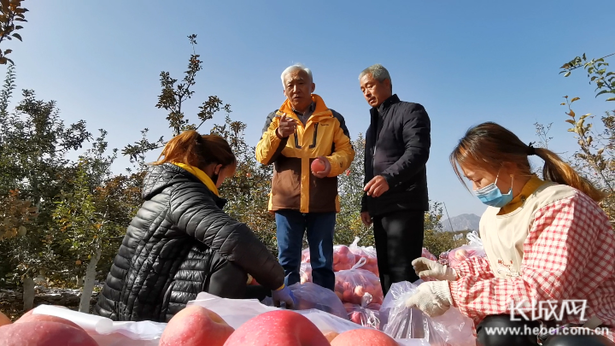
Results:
[178, 238]
[397, 145]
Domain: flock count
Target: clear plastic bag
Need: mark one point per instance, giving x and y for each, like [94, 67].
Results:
[313, 296]
[305, 255]
[107, 332]
[443, 258]
[451, 328]
[428, 255]
[358, 286]
[363, 315]
[366, 252]
[474, 248]
[343, 258]
[238, 311]
[305, 272]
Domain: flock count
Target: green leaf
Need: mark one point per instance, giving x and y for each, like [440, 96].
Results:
[611, 99]
[567, 74]
[17, 36]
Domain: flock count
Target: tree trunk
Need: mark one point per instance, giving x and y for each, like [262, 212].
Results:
[88, 282]
[28, 293]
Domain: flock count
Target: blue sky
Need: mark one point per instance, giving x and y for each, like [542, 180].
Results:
[465, 61]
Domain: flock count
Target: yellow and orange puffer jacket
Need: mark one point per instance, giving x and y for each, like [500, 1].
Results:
[294, 186]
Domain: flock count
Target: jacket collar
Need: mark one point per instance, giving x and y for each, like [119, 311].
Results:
[320, 108]
[393, 99]
[203, 177]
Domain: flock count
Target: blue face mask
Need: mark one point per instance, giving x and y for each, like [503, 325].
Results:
[492, 196]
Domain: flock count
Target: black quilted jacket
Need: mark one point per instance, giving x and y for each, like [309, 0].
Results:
[167, 253]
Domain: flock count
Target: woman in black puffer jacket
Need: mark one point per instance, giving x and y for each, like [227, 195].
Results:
[181, 243]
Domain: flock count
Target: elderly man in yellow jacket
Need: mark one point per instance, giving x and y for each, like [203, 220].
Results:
[303, 192]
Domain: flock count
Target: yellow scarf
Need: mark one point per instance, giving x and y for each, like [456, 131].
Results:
[529, 188]
[199, 174]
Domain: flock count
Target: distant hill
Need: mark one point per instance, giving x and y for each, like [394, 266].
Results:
[462, 222]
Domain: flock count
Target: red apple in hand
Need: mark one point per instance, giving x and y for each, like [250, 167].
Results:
[318, 166]
[195, 326]
[278, 328]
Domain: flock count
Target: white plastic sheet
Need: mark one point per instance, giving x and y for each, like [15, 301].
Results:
[107, 332]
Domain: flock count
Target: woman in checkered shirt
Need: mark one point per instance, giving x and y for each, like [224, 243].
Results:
[550, 249]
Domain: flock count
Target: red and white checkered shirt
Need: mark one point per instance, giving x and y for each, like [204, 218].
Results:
[569, 254]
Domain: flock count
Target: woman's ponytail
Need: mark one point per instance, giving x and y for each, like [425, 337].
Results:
[556, 170]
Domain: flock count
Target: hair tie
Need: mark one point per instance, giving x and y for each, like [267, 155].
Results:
[530, 149]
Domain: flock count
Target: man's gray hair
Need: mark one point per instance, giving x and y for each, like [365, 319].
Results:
[377, 71]
[297, 66]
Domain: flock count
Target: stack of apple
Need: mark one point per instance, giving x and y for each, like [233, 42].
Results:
[358, 286]
[343, 258]
[42, 330]
[369, 253]
[196, 325]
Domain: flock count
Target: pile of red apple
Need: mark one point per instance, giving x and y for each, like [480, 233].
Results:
[343, 258]
[196, 326]
[358, 286]
[369, 254]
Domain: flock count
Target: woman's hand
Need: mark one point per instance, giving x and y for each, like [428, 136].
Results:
[433, 298]
[426, 268]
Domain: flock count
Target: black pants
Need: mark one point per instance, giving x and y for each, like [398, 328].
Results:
[399, 240]
[525, 336]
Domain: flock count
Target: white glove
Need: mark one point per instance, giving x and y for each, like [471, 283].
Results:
[433, 298]
[426, 268]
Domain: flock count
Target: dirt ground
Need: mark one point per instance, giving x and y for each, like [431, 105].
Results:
[11, 301]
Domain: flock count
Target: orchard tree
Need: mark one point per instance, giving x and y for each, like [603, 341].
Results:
[92, 217]
[172, 99]
[436, 239]
[34, 142]
[12, 14]
[350, 189]
[595, 158]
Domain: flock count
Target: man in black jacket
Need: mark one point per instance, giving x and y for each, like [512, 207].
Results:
[396, 152]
